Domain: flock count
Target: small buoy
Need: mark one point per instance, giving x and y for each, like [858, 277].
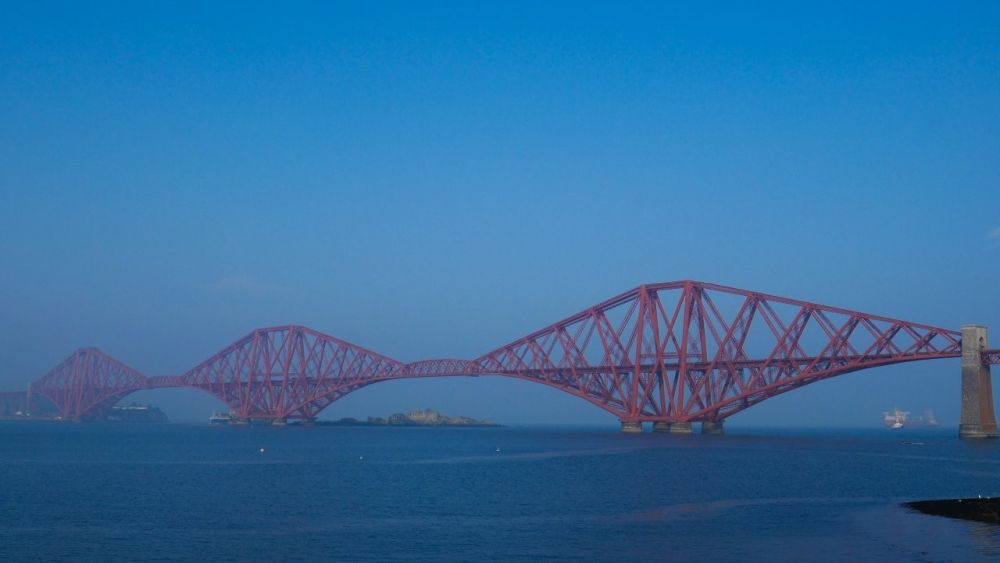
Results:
[361, 457]
[262, 450]
[498, 450]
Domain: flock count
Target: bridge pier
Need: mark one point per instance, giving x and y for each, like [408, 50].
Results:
[978, 419]
[672, 427]
[632, 427]
[712, 427]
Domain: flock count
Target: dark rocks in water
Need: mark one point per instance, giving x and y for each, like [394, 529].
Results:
[978, 509]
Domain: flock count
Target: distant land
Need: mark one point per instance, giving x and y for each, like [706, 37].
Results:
[14, 406]
[425, 417]
[135, 412]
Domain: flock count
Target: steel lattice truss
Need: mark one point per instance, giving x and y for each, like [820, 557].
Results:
[88, 383]
[691, 351]
[287, 372]
[672, 352]
[991, 357]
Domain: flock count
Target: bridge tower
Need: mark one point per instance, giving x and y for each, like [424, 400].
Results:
[978, 419]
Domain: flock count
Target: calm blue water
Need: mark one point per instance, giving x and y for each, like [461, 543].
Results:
[198, 493]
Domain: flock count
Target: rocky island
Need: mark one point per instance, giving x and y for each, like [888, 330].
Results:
[425, 417]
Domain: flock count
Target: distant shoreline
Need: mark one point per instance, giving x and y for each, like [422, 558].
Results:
[425, 417]
[422, 418]
[365, 423]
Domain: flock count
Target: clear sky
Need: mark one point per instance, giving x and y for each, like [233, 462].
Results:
[438, 179]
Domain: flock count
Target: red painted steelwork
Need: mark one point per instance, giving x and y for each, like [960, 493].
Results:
[164, 381]
[691, 351]
[287, 372]
[991, 357]
[88, 383]
[671, 352]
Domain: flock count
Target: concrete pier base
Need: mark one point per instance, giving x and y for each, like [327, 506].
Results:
[978, 419]
[240, 421]
[278, 422]
[631, 427]
[672, 427]
[711, 427]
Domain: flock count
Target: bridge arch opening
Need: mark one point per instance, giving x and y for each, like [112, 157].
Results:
[495, 398]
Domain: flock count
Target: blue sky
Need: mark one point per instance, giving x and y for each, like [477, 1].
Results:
[438, 179]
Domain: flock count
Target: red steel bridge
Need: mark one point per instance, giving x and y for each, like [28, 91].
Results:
[668, 353]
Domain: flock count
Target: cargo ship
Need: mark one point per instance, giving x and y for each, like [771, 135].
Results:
[927, 420]
[894, 418]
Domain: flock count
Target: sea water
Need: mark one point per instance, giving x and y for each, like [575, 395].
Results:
[172, 492]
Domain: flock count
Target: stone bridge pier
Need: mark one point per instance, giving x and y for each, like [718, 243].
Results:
[978, 419]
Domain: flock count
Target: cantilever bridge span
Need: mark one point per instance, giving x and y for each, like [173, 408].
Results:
[668, 353]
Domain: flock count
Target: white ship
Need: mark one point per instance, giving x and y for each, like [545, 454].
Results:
[894, 418]
[220, 418]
